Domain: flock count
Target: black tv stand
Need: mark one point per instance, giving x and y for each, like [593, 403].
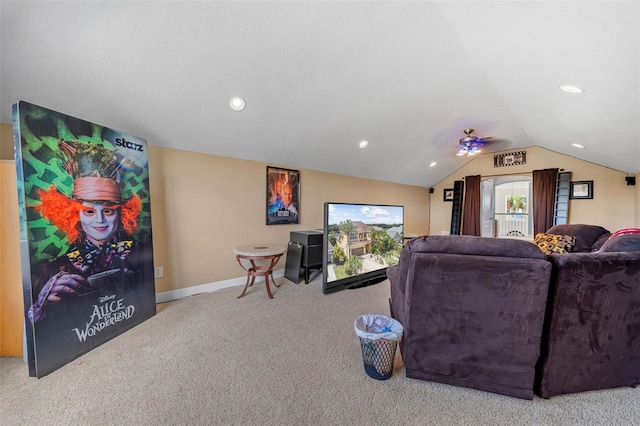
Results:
[368, 282]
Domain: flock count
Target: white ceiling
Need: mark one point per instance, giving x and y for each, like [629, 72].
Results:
[318, 77]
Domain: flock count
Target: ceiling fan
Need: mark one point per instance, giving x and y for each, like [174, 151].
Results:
[471, 144]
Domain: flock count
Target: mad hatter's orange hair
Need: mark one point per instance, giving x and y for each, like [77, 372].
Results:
[64, 212]
[129, 212]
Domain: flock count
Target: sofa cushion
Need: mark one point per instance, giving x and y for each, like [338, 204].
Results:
[585, 235]
[554, 244]
[622, 242]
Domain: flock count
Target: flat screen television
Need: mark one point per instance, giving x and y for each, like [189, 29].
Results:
[359, 242]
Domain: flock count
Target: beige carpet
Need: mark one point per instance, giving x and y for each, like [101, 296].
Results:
[213, 359]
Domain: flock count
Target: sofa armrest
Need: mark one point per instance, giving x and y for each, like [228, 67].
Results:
[397, 288]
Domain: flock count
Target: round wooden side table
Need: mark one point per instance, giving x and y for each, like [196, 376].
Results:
[253, 253]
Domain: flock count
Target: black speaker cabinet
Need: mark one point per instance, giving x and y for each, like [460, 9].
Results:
[312, 250]
[631, 180]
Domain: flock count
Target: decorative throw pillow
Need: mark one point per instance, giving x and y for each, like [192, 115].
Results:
[585, 235]
[554, 244]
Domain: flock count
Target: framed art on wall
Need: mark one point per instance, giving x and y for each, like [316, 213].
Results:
[283, 196]
[582, 189]
[510, 159]
[448, 194]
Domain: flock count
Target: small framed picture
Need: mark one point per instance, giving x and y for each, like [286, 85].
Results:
[581, 190]
[448, 194]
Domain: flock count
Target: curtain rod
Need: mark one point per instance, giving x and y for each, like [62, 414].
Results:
[511, 174]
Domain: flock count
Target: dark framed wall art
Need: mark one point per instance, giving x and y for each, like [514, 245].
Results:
[581, 190]
[510, 159]
[283, 196]
[447, 194]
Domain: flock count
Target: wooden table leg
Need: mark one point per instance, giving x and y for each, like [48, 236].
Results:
[259, 271]
[249, 278]
[266, 283]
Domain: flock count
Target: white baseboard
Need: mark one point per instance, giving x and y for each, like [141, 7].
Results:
[168, 296]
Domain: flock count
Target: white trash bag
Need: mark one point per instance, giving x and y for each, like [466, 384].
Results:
[374, 327]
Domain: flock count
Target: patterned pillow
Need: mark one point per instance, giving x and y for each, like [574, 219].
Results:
[554, 244]
[585, 235]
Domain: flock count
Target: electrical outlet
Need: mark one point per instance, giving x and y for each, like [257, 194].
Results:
[158, 271]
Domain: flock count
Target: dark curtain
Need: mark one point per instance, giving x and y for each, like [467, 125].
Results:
[471, 206]
[544, 196]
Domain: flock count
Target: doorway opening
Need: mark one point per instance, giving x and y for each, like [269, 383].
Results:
[506, 207]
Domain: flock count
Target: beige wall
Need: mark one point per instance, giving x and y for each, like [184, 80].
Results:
[615, 205]
[11, 304]
[6, 142]
[204, 205]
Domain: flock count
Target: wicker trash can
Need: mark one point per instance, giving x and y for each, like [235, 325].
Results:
[379, 336]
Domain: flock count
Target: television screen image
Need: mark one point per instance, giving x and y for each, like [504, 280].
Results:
[360, 241]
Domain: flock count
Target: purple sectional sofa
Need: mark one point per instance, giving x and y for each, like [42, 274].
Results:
[592, 329]
[499, 315]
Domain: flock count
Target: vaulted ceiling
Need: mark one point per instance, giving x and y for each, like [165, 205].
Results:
[319, 77]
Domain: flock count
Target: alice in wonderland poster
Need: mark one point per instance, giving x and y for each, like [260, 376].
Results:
[85, 234]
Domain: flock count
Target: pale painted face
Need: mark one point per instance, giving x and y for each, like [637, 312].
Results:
[287, 194]
[99, 222]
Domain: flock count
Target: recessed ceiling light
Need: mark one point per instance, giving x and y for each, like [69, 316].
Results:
[237, 104]
[433, 164]
[577, 145]
[571, 89]
[363, 144]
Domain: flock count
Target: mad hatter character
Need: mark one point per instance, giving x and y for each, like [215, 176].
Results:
[98, 223]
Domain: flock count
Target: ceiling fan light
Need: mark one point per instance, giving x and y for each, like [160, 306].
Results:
[471, 144]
